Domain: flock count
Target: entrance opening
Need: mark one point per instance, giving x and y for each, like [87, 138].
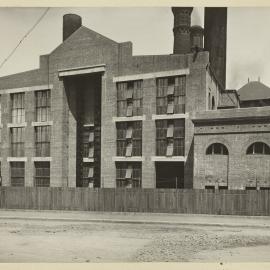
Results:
[84, 95]
[169, 174]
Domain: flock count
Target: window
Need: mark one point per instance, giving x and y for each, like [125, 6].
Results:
[17, 142]
[17, 108]
[258, 148]
[43, 104]
[169, 151]
[251, 188]
[129, 138]
[171, 93]
[17, 174]
[88, 175]
[42, 174]
[222, 187]
[88, 142]
[170, 137]
[128, 174]
[217, 149]
[43, 134]
[129, 98]
[210, 187]
[264, 188]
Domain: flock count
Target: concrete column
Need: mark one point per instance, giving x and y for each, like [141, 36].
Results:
[29, 145]
[108, 132]
[5, 135]
[149, 134]
[59, 133]
[72, 138]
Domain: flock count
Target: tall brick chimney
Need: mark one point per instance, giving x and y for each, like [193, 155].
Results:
[215, 40]
[71, 22]
[196, 38]
[181, 29]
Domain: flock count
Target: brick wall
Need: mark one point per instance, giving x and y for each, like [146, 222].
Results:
[240, 169]
[88, 48]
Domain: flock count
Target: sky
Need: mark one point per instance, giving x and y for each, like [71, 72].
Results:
[149, 29]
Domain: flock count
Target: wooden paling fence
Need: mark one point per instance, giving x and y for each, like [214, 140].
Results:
[217, 202]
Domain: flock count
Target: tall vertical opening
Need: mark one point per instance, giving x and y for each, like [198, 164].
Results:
[84, 98]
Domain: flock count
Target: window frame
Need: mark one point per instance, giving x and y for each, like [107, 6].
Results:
[41, 97]
[212, 149]
[168, 133]
[43, 141]
[129, 95]
[17, 141]
[17, 107]
[171, 94]
[128, 174]
[42, 180]
[129, 138]
[17, 180]
[252, 148]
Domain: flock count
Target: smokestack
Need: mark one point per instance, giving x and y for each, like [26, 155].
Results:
[215, 40]
[71, 22]
[181, 29]
[196, 38]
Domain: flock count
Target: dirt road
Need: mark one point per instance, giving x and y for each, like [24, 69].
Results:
[70, 241]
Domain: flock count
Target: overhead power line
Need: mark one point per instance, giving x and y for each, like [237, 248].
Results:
[24, 37]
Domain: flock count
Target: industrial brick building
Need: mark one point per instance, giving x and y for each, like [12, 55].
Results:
[95, 115]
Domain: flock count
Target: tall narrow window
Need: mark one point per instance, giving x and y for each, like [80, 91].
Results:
[129, 98]
[88, 175]
[17, 174]
[43, 134]
[169, 150]
[161, 137]
[179, 137]
[17, 108]
[121, 138]
[180, 94]
[137, 138]
[17, 142]
[43, 104]
[42, 174]
[128, 174]
[162, 101]
[88, 142]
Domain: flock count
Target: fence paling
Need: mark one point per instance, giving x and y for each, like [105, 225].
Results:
[230, 202]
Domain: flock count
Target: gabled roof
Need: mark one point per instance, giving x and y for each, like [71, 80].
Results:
[254, 90]
[85, 35]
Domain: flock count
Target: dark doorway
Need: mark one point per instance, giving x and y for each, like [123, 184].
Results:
[169, 174]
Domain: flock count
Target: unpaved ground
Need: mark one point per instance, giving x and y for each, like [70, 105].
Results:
[61, 241]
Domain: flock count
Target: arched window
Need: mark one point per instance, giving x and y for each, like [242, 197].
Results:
[258, 148]
[217, 149]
